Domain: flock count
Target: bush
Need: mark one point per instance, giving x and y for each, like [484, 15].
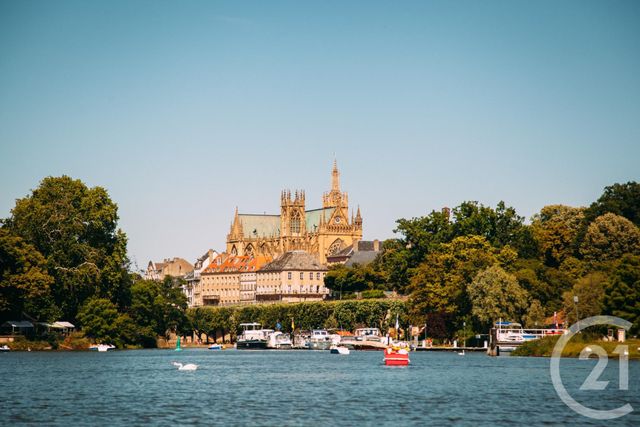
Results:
[373, 293]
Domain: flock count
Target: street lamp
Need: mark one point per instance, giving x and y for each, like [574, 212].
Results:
[464, 334]
[575, 304]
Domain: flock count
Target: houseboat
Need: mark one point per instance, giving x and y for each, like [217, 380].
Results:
[319, 340]
[279, 341]
[368, 334]
[253, 337]
[507, 336]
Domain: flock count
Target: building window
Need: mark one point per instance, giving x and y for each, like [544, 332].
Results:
[289, 275]
[301, 275]
[310, 276]
[318, 276]
[295, 222]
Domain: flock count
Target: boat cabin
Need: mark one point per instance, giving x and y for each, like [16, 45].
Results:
[368, 334]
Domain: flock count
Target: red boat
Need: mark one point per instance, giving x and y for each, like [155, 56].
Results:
[396, 356]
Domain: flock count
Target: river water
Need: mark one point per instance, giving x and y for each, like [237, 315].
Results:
[139, 387]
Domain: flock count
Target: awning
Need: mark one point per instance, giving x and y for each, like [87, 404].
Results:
[18, 324]
[62, 325]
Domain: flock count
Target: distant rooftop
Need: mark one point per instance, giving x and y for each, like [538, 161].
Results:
[295, 260]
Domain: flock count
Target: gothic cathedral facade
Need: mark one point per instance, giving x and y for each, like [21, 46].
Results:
[321, 232]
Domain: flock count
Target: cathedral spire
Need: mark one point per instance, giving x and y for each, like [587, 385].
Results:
[335, 177]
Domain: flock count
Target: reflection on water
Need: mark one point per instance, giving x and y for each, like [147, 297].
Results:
[297, 388]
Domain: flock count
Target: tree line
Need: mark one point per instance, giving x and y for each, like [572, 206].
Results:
[475, 264]
[63, 257]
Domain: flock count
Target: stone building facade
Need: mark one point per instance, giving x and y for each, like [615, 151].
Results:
[175, 267]
[320, 232]
[220, 283]
[191, 288]
[293, 277]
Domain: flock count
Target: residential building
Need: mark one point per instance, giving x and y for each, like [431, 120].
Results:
[191, 288]
[175, 267]
[295, 276]
[220, 282]
[362, 252]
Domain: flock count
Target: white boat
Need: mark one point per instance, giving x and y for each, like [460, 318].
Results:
[319, 340]
[253, 337]
[5, 348]
[102, 347]
[215, 347]
[368, 334]
[279, 340]
[509, 335]
[339, 349]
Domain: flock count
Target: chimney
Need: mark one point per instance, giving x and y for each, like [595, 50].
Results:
[376, 245]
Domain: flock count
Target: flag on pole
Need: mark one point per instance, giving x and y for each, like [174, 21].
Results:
[293, 325]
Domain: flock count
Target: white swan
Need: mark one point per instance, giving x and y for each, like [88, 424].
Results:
[187, 367]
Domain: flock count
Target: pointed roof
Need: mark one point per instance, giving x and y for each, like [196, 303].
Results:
[335, 177]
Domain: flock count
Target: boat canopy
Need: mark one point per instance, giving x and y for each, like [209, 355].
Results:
[367, 331]
[250, 326]
[513, 324]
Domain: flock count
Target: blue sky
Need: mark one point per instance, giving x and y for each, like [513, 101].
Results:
[185, 110]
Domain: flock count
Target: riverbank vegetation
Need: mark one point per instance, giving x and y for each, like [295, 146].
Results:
[217, 322]
[63, 257]
[544, 346]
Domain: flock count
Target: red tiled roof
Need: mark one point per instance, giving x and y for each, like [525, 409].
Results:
[235, 263]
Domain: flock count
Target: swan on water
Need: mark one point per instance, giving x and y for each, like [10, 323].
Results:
[187, 367]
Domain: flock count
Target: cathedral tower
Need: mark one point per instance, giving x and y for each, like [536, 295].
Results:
[321, 232]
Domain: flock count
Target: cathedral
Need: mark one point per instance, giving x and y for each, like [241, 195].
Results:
[321, 232]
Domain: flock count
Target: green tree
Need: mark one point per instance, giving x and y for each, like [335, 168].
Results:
[535, 317]
[609, 237]
[394, 265]
[590, 292]
[500, 226]
[200, 320]
[98, 319]
[556, 230]
[545, 284]
[344, 280]
[622, 292]
[496, 294]
[422, 235]
[440, 283]
[159, 306]
[620, 199]
[24, 284]
[75, 228]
